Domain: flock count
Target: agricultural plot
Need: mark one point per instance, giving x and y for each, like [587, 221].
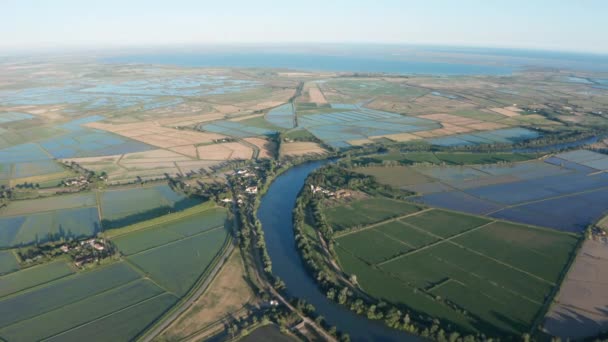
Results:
[337, 128]
[301, 148]
[81, 141]
[501, 136]
[33, 276]
[579, 309]
[236, 129]
[366, 211]
[82, 312]
[8, 263]
[63, 292]
[28, 162]
[178, 265]
[162, 234]
[123, 325]
[527, 192]
[283, 116]
[126, 206]
[490, 269]
[42, 226]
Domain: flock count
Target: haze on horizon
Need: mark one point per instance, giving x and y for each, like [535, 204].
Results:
[541, 24]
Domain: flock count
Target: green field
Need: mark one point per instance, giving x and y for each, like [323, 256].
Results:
[81, 312]
[178, 265]
[33, 276]
[444, 223]
[120, 208]
[114, 302]
[63, 292]
[493, 270]
[124, 325]
[162, 234]
[8, 262]
[366, 211]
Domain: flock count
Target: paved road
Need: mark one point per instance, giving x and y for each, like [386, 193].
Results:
[159, 328]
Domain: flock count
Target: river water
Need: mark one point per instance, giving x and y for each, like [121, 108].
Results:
[275, 214]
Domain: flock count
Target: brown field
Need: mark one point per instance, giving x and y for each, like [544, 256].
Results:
[301, 148]
[189, 120]
[360, 142]
[316, 95]
[227, 109]
[507, 111]
[226, 295]
[195, 165]
[187, 150]
[225, 151]
[153, 134]
[266, 147]
[580, 308]
[399, 137]
[245, 117]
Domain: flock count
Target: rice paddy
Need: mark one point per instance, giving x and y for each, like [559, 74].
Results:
[283, 116]
[127, 206]
[519, 190]
[490, 269]
[366, 211]
[116, 301]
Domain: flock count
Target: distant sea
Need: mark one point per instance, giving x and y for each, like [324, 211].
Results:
[312, 62]
[373, 59]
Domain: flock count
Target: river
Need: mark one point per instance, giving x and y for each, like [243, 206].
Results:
[275, 214]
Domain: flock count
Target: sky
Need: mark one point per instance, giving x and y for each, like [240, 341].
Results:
[578, 25]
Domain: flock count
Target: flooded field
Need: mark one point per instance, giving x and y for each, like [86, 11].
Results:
[526, 192]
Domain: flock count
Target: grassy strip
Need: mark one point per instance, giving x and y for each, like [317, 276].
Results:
[159, 220]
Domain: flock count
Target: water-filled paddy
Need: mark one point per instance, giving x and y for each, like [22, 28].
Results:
[562, 195]
[282, 116]
[126, 206]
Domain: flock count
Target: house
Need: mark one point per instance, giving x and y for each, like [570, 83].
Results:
[251, 190]
[65, 248]
[98, 246]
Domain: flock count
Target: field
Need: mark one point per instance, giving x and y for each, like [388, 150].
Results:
[366, 211]
[282, 116]
[228, 294]
[8, 262]
[48, 226]
[178, 265]
[578, 310]
[515, 189]
[119, 300]
[174, 252]
[301, 148]
[127, 206]
[491, 269]
[170, 231]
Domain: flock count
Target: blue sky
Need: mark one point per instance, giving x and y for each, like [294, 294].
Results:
[578, 25]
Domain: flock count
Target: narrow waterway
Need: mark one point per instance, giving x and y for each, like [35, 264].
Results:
[275, 214]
